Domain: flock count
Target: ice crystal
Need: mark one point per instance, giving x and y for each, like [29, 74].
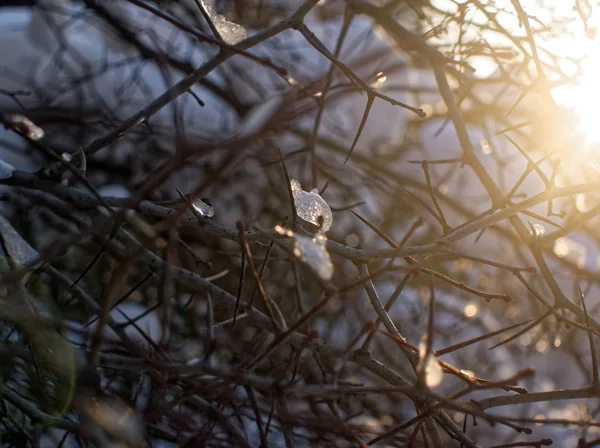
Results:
[311, 207]
[539, 229]
[232, 33]
[203, 208]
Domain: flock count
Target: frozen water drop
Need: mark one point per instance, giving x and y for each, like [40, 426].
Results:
[310, 206]
[313, 252]
[539, 229]
[202, 208]
[295, 185]
[232, 33]
[469, 374]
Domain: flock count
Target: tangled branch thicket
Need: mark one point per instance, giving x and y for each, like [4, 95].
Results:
[283, 223]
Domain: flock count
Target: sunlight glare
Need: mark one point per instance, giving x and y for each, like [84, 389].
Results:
[583, 97]
[581, 94]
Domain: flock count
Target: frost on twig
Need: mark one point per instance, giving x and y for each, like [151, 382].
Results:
[232, 33]
[312, 251]
[311, 207]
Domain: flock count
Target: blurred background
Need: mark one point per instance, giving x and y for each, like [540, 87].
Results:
[462, 131]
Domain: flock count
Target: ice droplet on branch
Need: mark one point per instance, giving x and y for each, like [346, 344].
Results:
[232, 33]
[310, 206]
[312, 251]
[202, 208]
[539, 229]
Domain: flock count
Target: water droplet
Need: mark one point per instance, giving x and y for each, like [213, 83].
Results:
[469, 374]
[202, 208]
[380, 79]
[561, 248]
[284, 232]
[311, 207]
[539, 229]
[486, 148]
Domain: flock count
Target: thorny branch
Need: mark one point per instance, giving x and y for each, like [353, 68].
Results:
[308, 362]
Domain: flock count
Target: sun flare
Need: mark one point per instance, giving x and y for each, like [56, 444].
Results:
[582, 97]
